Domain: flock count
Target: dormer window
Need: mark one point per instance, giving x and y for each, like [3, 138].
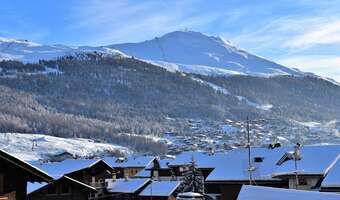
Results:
[258, 159]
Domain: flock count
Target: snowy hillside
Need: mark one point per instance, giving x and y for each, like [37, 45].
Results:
[31, 147]
[195, 52]
[26, 51]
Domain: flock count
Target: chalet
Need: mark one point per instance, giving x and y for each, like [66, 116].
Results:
[158, 170]
[127, 189]
[204, 162]
[94, 174]
[311, 168]
[161, 190]
[130, 166]
[331, 183]
[267, 193]
[233, 171]
[271, 167]
[64, 188]
[14, 175]
[89, 172]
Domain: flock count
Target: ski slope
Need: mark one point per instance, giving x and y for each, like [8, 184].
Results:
[32, 147]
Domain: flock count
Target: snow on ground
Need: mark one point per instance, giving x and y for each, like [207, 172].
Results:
[194, 69]
[30, 52]
[265, 107]
[44, 146]
[229, 129]
[213, 86]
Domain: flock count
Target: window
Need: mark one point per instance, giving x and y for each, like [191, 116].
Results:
[51, 190]
[258, 159]
[2, 184]
[65, 189]
[303, 181]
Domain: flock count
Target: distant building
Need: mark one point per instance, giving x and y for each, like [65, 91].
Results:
[14, 175]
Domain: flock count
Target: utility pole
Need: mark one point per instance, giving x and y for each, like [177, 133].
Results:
[297, 157]
[250, 168]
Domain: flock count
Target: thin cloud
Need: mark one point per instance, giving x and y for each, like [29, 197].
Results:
[321, 33]
[116, 22]
[328, 66]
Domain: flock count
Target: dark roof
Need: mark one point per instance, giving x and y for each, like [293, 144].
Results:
[34, 174]
[65, 179]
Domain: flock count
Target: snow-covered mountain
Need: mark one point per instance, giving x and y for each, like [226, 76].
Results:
[26, 51]
[186, 51]
[195, 52]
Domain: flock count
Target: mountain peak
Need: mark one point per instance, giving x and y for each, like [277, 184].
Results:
[194, 52]
[188, 34]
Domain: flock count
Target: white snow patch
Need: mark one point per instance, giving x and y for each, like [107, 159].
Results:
[213, 86]
[20, 145]
[265, 107]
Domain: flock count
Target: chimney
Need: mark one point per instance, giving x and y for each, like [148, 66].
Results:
[114, 177]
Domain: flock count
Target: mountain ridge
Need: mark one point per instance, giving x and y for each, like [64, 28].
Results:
[186, 51]
[189, 50]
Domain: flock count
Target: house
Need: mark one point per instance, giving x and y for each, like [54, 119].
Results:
[64, 188]
[267, 193]
[205, 162]
[94, 174]
[158, 170]
[161, 190]
[126, 188]
[314, 164]
[272, 167]
[90, 172]
[129, 167]
[14, 175]
[331, 182]
[233, 170]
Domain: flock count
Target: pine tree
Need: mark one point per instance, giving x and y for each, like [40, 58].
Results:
[193, 180]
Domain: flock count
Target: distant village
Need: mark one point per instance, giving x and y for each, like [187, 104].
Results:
[250, 173]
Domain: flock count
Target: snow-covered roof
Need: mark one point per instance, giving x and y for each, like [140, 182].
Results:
[35, 187]
[34, 172]
[202, 159]
[316, 160]
[160, 188]
[266, 193]
[234, 166]
[127, 185]
[140, 161]
[143, 174]
[332, 179]
[58, 169]
[190, 194]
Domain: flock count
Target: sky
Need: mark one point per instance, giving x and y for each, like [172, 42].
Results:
[297, 33]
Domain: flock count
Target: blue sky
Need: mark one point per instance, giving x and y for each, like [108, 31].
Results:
[298, 33]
